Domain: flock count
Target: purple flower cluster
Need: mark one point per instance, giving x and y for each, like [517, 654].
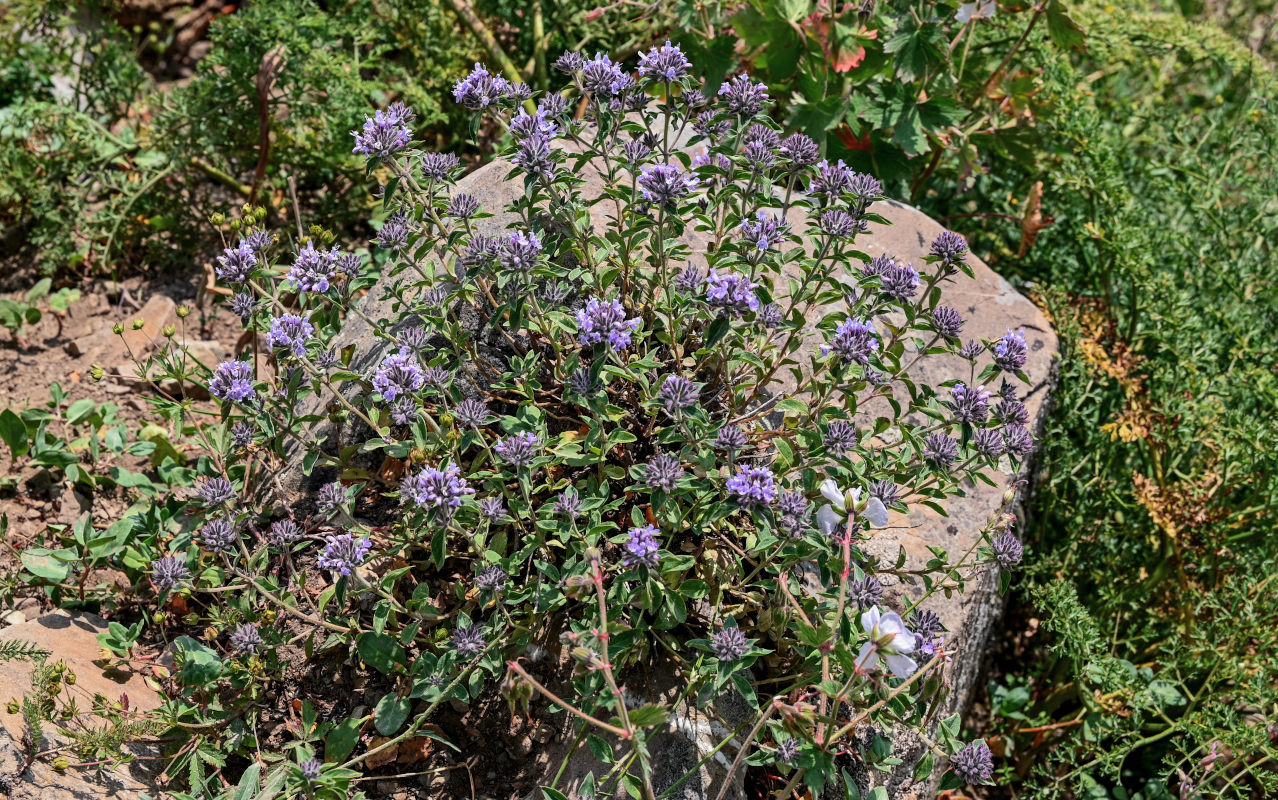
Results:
[970, 405]
[469, 641]
[1010, 352]
[518, 449]
[535, 155]
[665, 184]
[438, 167]
[854, 340]
[491, 579]
[385, 133]
[215, 491]
[949, 248]
[331, 498]
[314, 270]
[947, 322]
[471, 412]
[742, 96]
[1007, 550]
[399, 374]
[662, 472]
[218, 535]
[840, 437]
[665, 64]
[290, 332]
[520, 251]
[799, 150]
[641, 547]
[246, 639]
[676, 393]
[729, 643]
[393, 235]
[974, 763]
[343, 553]
[794, 513]
[753, 486]
[831, 180]
[605, 321]
[169, 573]
[900, 282]
[568, 504]
[236, 264]
[479, 89]
[730, 438]
[283, 533]
[601, 77]
[940, 450]
[233, 380]
[764, 231]
[438, 490]
[731, 292]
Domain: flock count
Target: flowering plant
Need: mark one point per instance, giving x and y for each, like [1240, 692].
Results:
[610, 407]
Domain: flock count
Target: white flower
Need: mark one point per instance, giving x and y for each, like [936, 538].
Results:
[970, 11]
[833, 517]
[889, 640]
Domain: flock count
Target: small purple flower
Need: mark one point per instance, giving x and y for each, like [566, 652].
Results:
[605, 321]
[536, 156]
[759, 155]
[439, 167]
[438, 376]
[314, 270]
[988, 442]
[770, 316]
[518, 449]
[764, 231]
[762, 134]
[479, 89]
[242, 305]
[580, 382]
[462, 206]
[1010, 352]
[246, 639]
[568, 504]
[970, 405]
[900, 282]
[471, 412]
[520, 251]
[799, 150]
[218, 535]
[787, 750]
[310, 769]
[926, 624]
[481, 251]
[865, 188]
[866, 592]
[729, 643]
[283, 533]
[491, 579]
[536, 124]
[665, 64]
[414, 338]
[553, 106]
[840, 224]
[635, 152]
[403, 411]
[1017, 441]
[327, 359]
[601, 77]
[731, 292]
[290, 332]
[393, 235]
[854, 340]
[947, 322]
[753, 486]
[399, 374]
[878, 265]
[665, 184]
[743, 97]
[1007, 550]
[730, 438]
[886, 491]
[492, 509]
[343, 553]
[331, 498]
[840, 437]
[974, 763]
[236, 264]
[385, 133]
[971, 351]
[708, 125]
[233, 380]
[439, 490]
[676, 393]
[949, 247]
[569, 63]
[689, 280]
[794, 513]
[242, 434]
[469, 641]
[215, 491]
[662, 473]
[259, 240]
[641, 547]
[1011, 412]
[940, 450]
[831, 180]
[1008, 391]
[169, 573]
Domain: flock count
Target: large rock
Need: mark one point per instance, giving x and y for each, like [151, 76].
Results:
[72, 640]
[990, 305]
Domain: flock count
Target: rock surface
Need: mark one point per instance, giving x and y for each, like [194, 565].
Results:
[989, 304]
[71, 639]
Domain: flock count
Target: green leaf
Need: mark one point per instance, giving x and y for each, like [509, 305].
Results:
[201, 665]
[390, 713]
[1065, 32]
[380, 651]
[649, 716]
[52, 565]
[81, 410]
[39, 290]
[14, 433]
[341, 740]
